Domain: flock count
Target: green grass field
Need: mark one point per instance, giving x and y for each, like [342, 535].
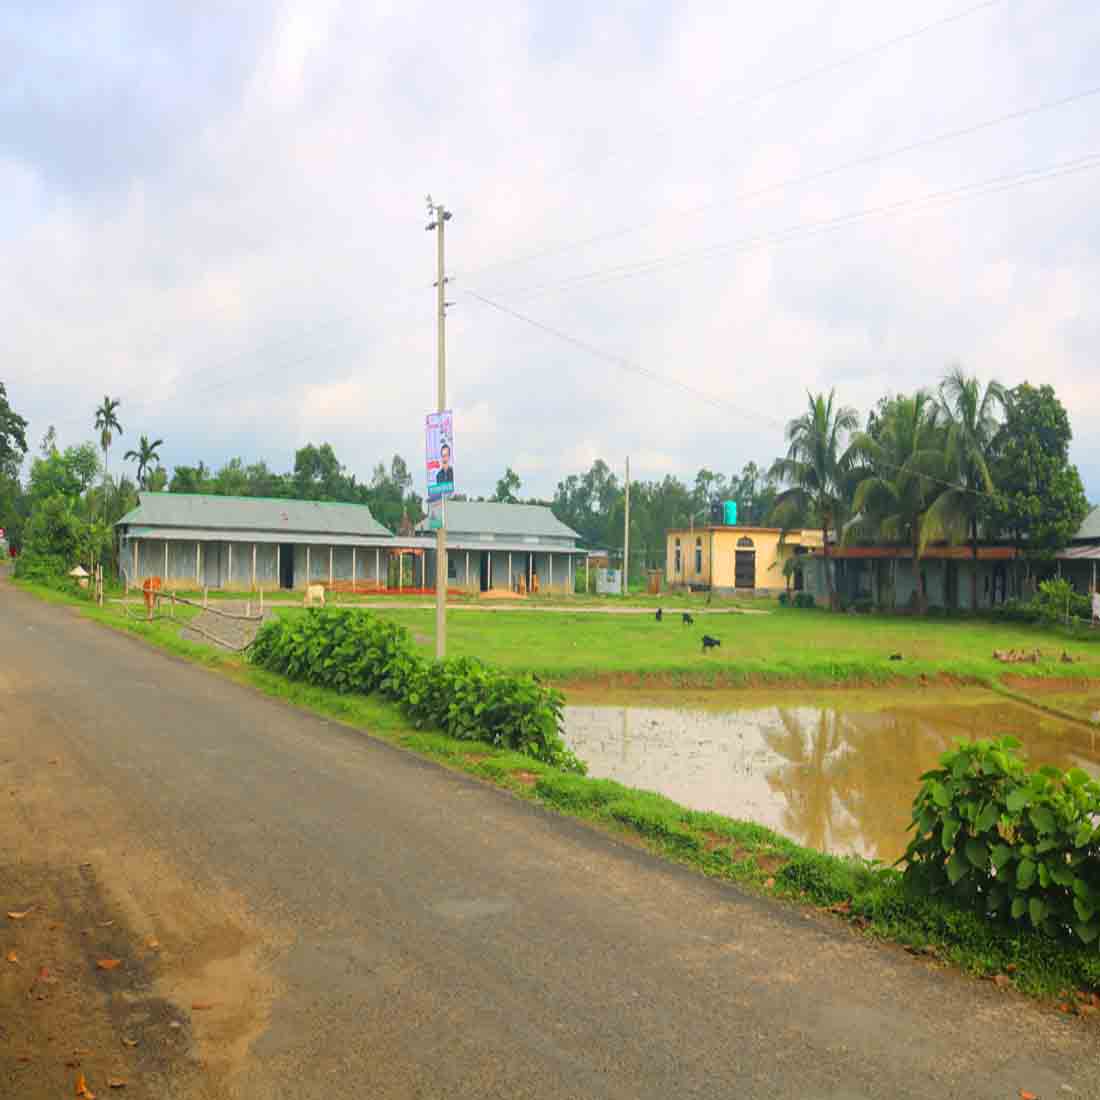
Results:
[784, 646]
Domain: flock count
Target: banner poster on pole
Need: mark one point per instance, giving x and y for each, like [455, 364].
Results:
[439, 442]
[436, 514]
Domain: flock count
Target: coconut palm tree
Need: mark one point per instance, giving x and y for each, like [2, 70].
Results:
[971, 416]
[146, 456]
[905, 463]
[106, 422]
[817, 470]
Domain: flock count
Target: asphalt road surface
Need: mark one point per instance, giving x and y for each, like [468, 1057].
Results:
[339, 918]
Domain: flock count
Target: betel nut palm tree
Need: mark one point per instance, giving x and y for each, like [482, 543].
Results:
[905, 468]
[971, 418]
[146, 456]
[816, 471]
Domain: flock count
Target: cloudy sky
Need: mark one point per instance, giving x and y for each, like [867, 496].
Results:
[215, 211]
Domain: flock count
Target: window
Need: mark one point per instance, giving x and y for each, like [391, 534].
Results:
[744, 543]
[678, 568]
[698, 555]
[452, 569]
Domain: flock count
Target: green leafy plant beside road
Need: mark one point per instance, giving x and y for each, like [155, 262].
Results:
[355, 651]
[1016, 845]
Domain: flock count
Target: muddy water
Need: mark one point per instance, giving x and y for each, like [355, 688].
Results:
[837, 773]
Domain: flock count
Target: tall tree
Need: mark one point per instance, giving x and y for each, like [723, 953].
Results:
[106, 423]
[816, 470]
[972, 419]
[507, 488]
[146, 456]
[13, 436]
[904, 476]
[1041, 502]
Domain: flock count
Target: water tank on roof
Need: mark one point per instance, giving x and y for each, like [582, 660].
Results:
[729, 511]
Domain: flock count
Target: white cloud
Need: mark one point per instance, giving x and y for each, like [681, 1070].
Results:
[238, 250]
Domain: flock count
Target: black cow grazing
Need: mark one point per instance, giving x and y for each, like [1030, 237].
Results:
[660, 615]
[709, 642]
[688, 620]
[895, 656]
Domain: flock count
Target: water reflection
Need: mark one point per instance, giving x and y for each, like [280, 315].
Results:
[833, 777]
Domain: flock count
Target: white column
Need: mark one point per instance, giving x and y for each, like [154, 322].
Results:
[198, 563]
[378, 567]
[586, 573]
[353, 569]
[550, 558]
[468, 568]
[509, 570]
[308, 578]
[400, 569]
[136, 541]
[330, 567]
[490, 569]
[253, 565]
[424, 569]
[165, 561]
[278, 565]
[230, 578]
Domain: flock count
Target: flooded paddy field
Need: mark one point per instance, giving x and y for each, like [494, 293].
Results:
[836, 771]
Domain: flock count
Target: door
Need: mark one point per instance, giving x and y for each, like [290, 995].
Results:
[484, 570]
[286, 565]
[212, 564]
[744, 564]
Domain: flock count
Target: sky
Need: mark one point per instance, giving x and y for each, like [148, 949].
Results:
[669, 222]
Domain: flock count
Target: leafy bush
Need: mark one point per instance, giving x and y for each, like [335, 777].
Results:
[1018, 845]
[355, 651]
[784, 599]
[1056, 599]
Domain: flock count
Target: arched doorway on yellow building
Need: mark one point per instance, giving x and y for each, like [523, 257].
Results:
[744, 564]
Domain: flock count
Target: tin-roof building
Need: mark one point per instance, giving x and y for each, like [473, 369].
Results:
[512, 547]
[251, 542]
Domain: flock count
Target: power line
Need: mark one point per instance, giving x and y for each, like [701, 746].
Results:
[780, 86]
[624, 363]
[993, 185]
[809, 177]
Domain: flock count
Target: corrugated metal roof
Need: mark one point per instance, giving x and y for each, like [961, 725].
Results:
[229, 534]
[213, 513]
[474, 517]
[1090, 529]
[1080, 553]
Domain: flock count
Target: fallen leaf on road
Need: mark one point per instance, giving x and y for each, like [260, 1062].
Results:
[1025, 1095]
[12, 957]
[54, 760]
[128, 1042]
[20, 916]
[1066, 1007]
[82, 1050]
[203, 1006]
[106, 923]
[115, 1083]
[108, 964]
[82, 1088]
[153, 943]
[1001, 980]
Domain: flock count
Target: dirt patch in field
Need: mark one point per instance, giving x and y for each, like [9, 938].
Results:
[768, 862]
[528, 779]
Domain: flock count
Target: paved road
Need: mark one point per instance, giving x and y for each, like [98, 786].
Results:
[406, 932]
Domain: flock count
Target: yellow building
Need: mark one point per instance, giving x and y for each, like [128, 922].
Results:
[728, 559]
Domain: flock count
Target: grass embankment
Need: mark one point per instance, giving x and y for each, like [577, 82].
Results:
[787, 646]
[873, 899]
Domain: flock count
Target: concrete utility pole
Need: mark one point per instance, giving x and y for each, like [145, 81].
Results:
[626, 534]
[440, 216]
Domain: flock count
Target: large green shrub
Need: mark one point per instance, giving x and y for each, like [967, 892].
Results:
[355, 651]
[1012, 843]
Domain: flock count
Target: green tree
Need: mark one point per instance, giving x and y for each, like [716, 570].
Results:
[190, 479]
[146, 456]
[971, 415]
[817, 470]
[507, 488]
[1040, 501]
[106, 423]
[13, 437]
[904, 477]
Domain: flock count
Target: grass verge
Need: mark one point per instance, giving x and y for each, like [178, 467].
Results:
[873, 899]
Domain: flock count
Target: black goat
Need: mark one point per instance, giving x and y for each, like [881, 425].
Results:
[709, 642]
[688, 620]
[660, 615]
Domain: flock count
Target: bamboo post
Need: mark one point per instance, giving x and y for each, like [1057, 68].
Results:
[205, 596]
